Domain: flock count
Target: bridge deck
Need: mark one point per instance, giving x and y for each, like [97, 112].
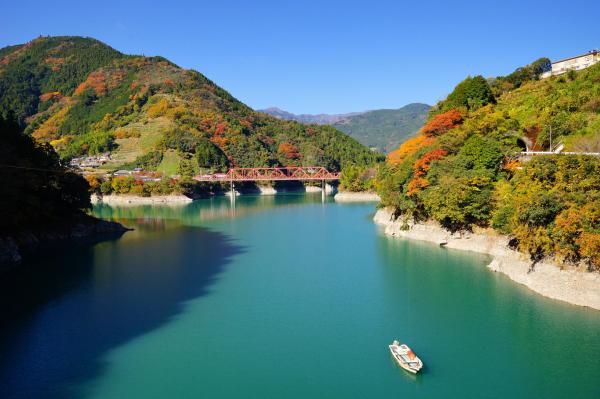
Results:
[297, 173]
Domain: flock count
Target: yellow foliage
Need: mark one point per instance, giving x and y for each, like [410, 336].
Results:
[49, 129]
[176, 112]
[158, 109]
[61, 143]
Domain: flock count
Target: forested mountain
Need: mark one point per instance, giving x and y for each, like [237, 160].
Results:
[83, 97]
[463, 169]
[383, 129]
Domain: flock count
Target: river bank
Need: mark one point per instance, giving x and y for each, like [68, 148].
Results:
[126, 199]
[361, 196]
[566, 283]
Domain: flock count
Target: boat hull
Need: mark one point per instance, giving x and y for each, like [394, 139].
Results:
[404, 364]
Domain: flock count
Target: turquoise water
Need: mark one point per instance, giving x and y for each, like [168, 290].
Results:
[282, 297]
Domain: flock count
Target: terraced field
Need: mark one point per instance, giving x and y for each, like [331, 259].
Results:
[130, 148]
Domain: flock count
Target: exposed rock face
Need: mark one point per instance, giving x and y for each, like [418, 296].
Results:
[572, 284]
[347, 196]
[139, 200]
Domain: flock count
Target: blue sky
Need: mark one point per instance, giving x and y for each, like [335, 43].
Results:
[324, 56]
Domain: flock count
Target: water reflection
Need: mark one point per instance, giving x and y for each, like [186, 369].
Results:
[206, 210]
[79, 305]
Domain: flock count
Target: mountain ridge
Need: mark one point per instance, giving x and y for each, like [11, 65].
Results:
[84, 97]
[383, 129]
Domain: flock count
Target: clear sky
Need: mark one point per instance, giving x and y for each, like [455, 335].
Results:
[324, 56]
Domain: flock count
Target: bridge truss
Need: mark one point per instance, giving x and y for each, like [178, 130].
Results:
[298, 173]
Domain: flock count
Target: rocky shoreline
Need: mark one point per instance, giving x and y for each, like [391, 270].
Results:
[361, 196]
[14, 247]
[571, 284]
[125, 199]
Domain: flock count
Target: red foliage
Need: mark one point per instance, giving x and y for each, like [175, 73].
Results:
[421, 167]
[423, 164]
[441, 123]
[220, 128]
[289, 151]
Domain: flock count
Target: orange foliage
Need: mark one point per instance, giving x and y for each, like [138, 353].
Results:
[512, 165]
[96, 80]
[441, 123]
[101, 82]
[416, 185]
[408, 148]
[289, 150]
[50, 96]
[589, 246]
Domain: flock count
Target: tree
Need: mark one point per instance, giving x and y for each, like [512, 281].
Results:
[209, 155]
[470, 94]
[441, 123]
[37, 190]
[288, 150]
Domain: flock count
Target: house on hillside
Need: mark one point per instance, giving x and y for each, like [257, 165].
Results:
[573, 63]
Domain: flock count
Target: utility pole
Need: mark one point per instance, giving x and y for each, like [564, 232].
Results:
[550, 138]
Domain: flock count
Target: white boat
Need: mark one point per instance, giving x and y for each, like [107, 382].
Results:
[405, 357]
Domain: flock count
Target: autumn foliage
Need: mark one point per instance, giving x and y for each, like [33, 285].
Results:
[289, 151]
[50, 96]
[441, 123]
[420, 168]
[408, 148]
[423, 164]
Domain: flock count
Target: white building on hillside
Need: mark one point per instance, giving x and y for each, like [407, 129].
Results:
[573, 63]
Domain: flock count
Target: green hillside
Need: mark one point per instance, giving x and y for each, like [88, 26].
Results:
[84, 97]
[385, 129]
[463, 171]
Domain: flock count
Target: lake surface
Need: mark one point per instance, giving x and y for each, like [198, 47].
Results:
[281, 297]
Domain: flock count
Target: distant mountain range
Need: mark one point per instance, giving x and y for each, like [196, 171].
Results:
[383, 129]
[320, 119]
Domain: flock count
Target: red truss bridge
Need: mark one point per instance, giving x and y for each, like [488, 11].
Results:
[261, 174]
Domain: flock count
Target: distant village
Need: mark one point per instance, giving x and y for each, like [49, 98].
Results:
[90, 164]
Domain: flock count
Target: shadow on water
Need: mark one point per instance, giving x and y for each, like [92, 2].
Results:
[74, 307]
